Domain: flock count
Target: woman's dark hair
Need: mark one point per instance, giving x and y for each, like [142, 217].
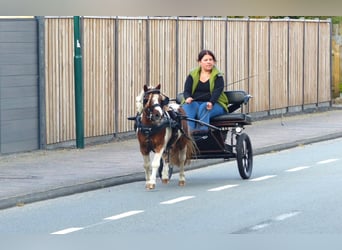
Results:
[206, 52]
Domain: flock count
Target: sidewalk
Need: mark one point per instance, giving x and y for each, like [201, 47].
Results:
[39, 175]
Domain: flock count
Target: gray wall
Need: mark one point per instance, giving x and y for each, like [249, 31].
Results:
[19, 119]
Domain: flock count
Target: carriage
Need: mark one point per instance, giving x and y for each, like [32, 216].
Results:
[225, 138]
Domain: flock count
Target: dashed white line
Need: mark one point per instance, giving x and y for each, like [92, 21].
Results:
[297, 169]
[123, 215]
[68, 230]
[327, 161]
[260, 226]
[221, 188]
[263, 178]
[286, 216]
[183, 198]
[115, 217]
[267, 223]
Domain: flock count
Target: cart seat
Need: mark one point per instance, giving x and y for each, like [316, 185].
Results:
[231, 120]
[236, 99]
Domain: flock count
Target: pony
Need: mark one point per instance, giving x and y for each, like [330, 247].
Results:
[161, 129]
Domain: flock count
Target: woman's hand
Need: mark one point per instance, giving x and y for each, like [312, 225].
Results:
[209, 105]
[189, 100]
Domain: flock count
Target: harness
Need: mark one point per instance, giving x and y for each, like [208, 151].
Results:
[170, 119]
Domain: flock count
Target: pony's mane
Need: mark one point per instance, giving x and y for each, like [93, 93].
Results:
[139, 102]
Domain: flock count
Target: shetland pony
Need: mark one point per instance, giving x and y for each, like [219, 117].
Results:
[161, 129]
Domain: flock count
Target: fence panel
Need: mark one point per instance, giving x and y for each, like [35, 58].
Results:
[310, 62]
[59, 80]
[278, 64]
[131, 68]
[19, 87]
[296, 55]
[324, 59]
[163, 53]
[99, 73]
[259, 65]
[237, 55]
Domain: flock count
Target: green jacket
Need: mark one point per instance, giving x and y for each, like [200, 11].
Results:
[195, 74]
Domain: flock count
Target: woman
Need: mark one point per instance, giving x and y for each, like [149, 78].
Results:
[203, 92]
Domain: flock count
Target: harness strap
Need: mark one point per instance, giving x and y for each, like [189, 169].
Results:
[150, 130]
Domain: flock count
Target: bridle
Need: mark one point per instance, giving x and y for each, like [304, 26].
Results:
[149, 110]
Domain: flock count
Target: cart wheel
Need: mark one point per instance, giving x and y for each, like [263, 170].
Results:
[244, 155]
[160, 169]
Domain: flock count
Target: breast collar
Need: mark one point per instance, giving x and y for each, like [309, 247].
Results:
[150, 130]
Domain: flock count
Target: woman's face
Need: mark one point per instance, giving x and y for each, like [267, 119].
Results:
[207, 62]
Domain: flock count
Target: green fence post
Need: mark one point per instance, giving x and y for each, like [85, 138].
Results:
[79, 116]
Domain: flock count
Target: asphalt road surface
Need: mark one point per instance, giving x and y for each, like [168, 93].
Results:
[292, 191]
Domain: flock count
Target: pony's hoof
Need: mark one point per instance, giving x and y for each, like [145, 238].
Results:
[165, 181]
[150, 186]
[181, 183]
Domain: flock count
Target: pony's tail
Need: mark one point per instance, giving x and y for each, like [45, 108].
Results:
[187, 144]
[191, 146]
[191, 149]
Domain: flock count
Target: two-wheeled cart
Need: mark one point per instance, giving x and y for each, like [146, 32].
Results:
[226, 138]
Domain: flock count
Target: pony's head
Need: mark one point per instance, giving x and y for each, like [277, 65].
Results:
[153, 103]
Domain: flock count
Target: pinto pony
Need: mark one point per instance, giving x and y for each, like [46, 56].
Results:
[161, 129]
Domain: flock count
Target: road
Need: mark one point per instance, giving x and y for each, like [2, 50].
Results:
[292, 191]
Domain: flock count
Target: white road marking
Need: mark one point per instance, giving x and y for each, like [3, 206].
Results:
[115, 217]
[263, 178]
[221, 188]
[123, 215]
[286, 216]
[327, 161]
[297, 169]
[68, 230]
[260, 226]
[183, 198]
[269, 222]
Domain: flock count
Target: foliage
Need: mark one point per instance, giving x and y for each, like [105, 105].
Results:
[334, 19]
